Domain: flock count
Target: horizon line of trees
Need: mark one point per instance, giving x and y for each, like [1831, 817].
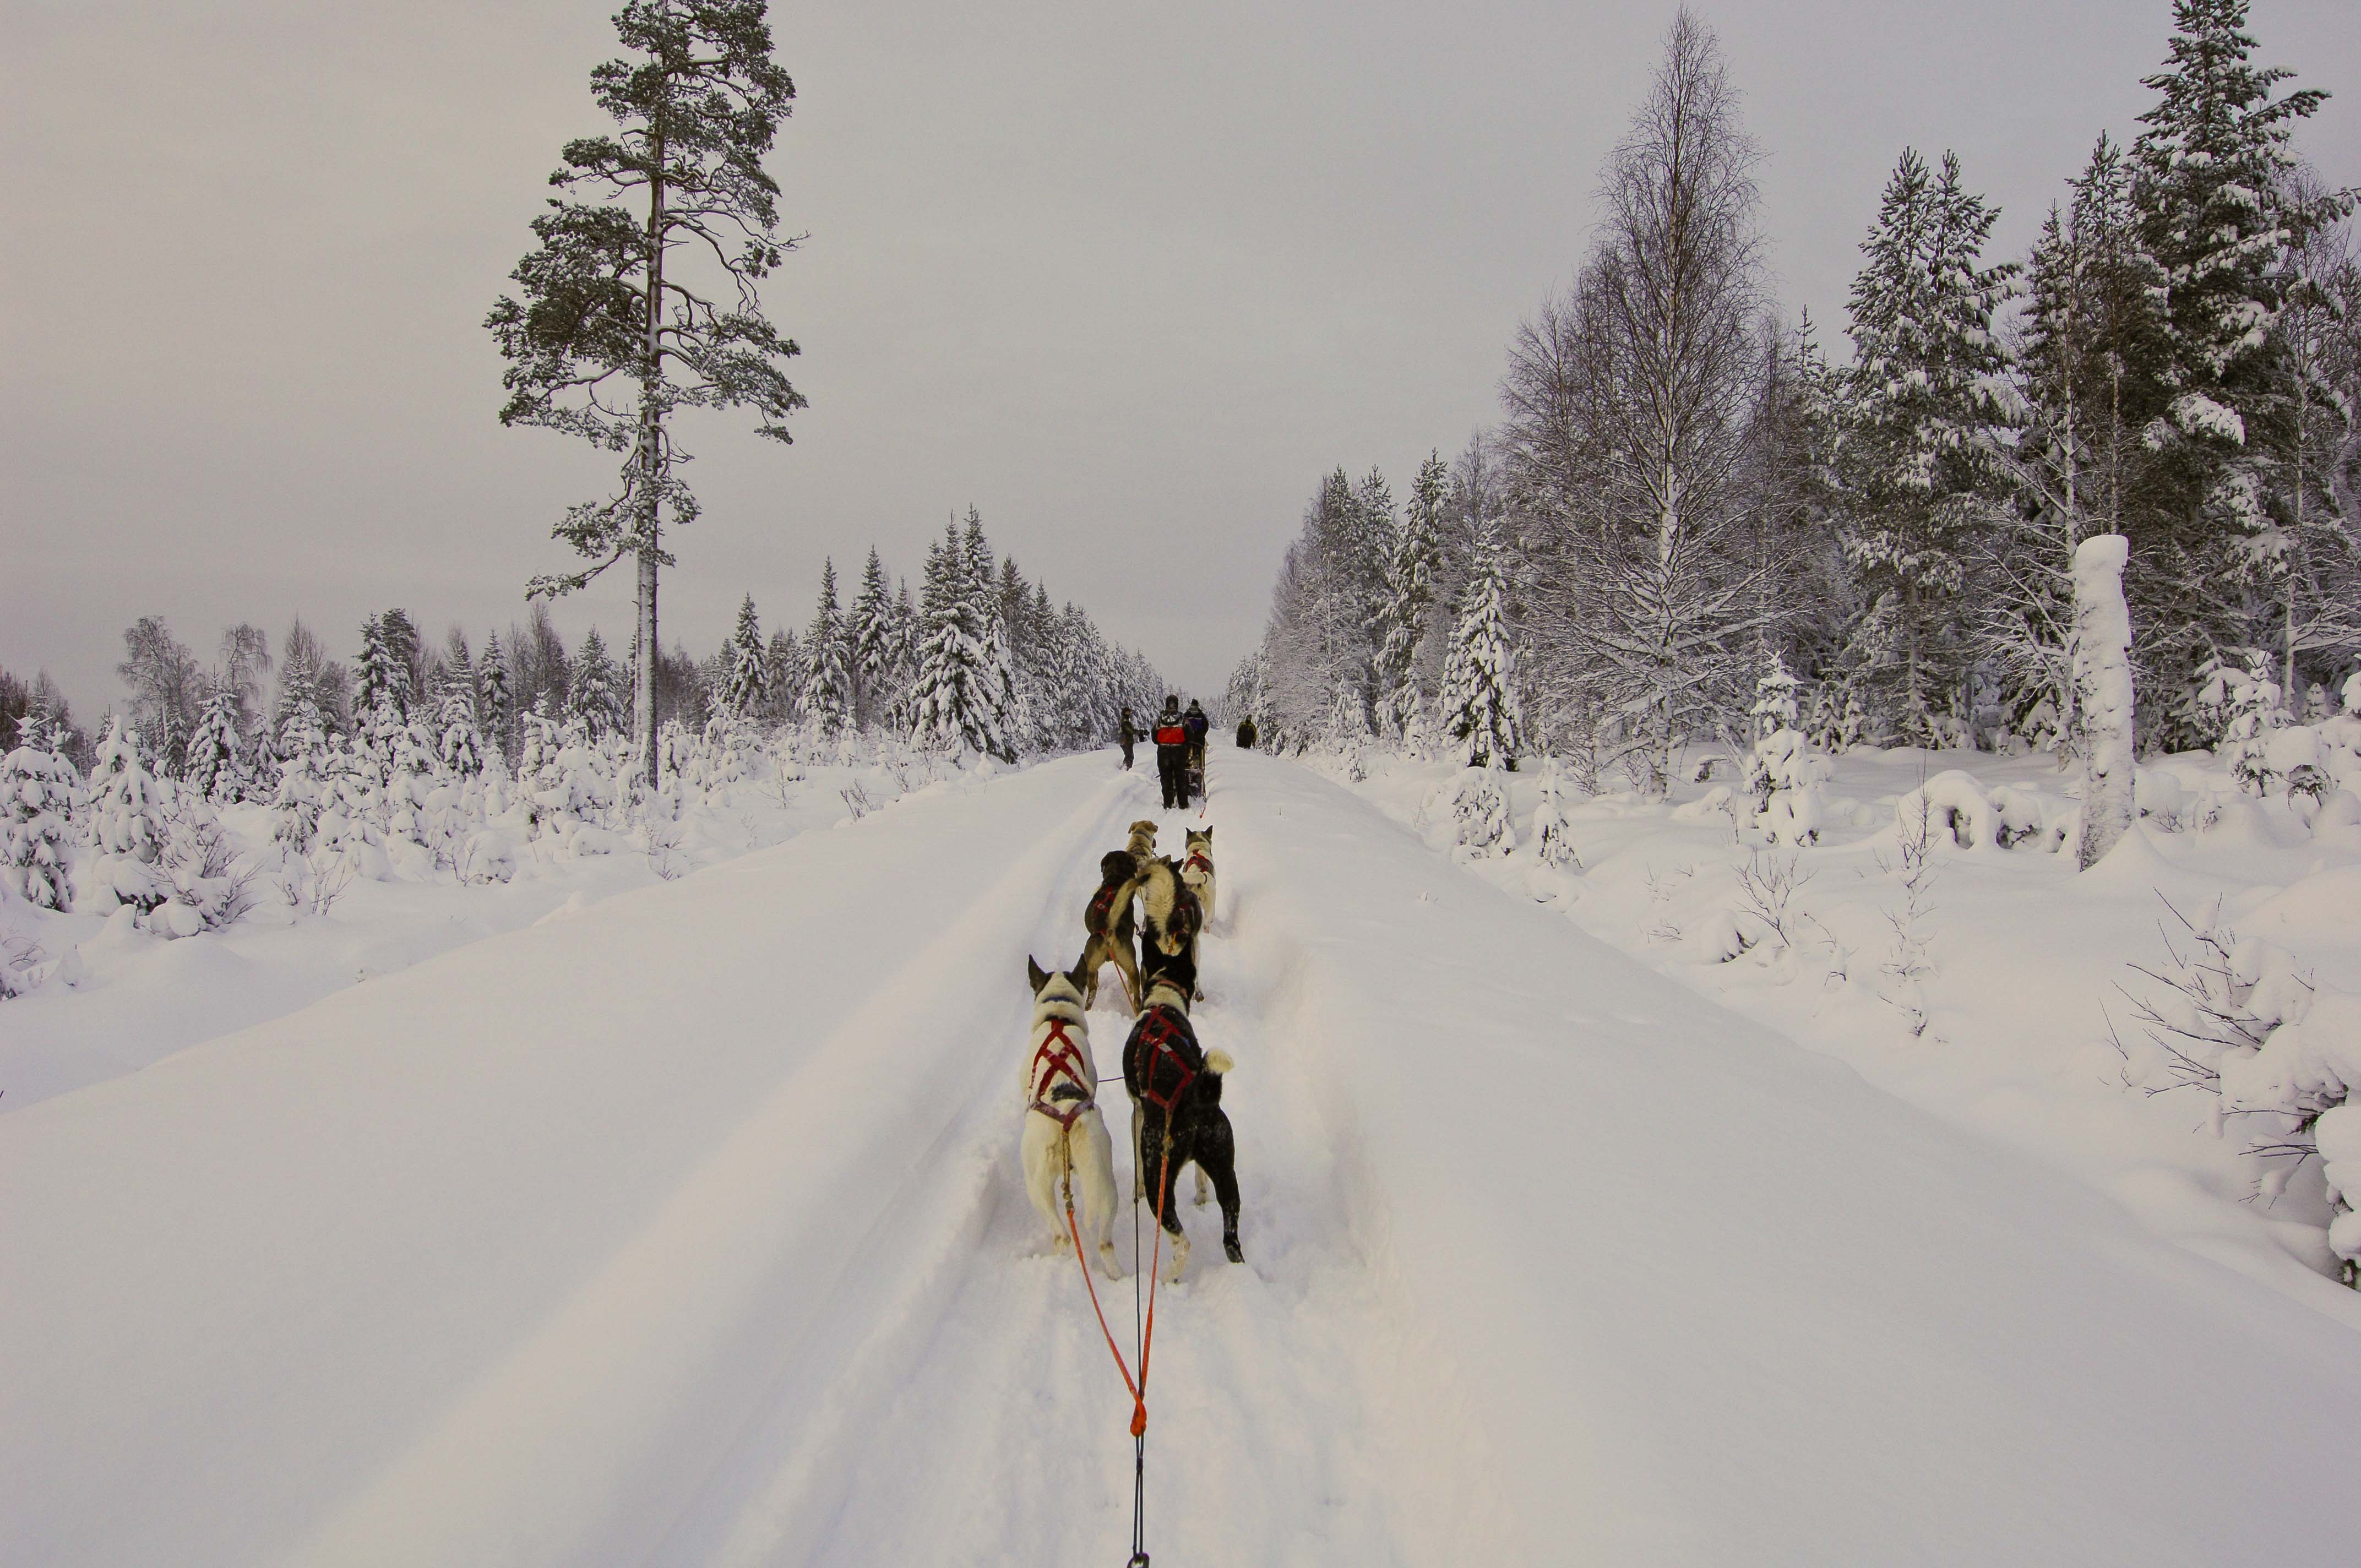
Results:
[982, 661]
[1685, 494]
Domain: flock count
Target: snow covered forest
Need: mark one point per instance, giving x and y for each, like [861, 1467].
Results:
[1688, 493]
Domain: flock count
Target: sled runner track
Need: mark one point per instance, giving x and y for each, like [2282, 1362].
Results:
[975, 1417]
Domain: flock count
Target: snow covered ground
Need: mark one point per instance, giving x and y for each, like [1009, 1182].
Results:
[687, 1227]
[2027, 980]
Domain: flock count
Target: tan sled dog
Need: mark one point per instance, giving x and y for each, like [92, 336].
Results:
[1197, 871]
[1143, 842]
[1068, 1156]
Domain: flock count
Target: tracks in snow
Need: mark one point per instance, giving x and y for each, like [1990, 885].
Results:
[953, 1401]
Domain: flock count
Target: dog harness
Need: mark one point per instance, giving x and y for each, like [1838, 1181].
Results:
[1065, 1102]
[1196, 858]
[1157, 1032]
[1094, 919]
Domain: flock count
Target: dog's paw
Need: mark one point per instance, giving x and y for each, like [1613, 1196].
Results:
[1109, 1263]
[1230, 1244]
[1175, 1259]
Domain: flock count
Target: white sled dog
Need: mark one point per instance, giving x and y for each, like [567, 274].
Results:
[1065, 1139]
[1197, 871]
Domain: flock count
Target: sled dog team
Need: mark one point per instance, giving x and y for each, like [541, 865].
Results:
[1174, 1083]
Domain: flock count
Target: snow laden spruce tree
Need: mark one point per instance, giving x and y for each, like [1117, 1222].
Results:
[2221, 213]
[1918, 421]
[614, 334]
[2103, 692]
[1402, 624]
[747, 683]
[869, 638]
[827, 675]
[952, 707]
[36, 803]
[1479, 679]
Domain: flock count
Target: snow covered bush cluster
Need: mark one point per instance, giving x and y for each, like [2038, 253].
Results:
[2238, 1018]
[415, 763]
[1892, 550]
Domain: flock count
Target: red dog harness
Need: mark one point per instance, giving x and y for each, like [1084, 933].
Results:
[1196, 858]
[1064, 1061]
[1094, 919]
[1157, 1035]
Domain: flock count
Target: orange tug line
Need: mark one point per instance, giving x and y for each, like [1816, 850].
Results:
[1138, 1390]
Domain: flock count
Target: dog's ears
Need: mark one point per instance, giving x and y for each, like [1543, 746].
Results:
[1079, 976]
[1035, 974]
[1209, 833]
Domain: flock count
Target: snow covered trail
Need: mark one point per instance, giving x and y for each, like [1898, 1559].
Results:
[689, 1230]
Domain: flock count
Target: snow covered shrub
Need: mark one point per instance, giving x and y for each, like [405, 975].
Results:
[2248, 701]
[295, 808]
[126, 826]
[204, 883]
[1552, 835]
[1480, 808]
[1951, 807]
[35, 800]
[2238, 1019]
[1784, 774]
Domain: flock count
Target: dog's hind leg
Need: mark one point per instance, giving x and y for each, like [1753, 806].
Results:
[1205, 1188]
[1217, 1146]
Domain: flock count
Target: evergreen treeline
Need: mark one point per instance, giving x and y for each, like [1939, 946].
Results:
[1684, 495]
[982, 662]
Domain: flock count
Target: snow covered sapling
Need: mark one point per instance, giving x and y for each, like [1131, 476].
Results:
[2103, 693]
[1480, 808]
[1783, 773]
[2249, 700]
[1552, 835]
[125, 823]
[35, 800]
[211, 769]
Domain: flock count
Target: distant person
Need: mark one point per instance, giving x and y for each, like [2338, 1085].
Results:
[1246, 733]
[1130, 737]
[1171, 739]
[1195, 722]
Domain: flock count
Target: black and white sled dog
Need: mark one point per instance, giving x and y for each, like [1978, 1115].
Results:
[1170, 919]
[1197, 868]
[1065, 1137]
[1177, 1117]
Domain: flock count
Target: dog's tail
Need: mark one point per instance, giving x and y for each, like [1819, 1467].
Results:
[1218, 1062]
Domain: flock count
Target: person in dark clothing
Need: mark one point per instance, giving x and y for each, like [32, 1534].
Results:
[1172, 755]
[1130, 737]
[1195, 722]
[1246, 733]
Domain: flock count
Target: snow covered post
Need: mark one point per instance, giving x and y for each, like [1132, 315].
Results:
[2103, 692]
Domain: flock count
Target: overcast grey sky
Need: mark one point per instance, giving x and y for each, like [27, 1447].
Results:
[1128, 277]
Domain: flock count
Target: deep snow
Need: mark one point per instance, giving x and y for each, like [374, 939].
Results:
[688, 1228]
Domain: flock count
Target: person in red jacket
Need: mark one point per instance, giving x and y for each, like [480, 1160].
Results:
[1171, 739]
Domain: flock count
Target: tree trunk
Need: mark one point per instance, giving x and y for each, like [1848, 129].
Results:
[651, 471]
[2103, 677]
